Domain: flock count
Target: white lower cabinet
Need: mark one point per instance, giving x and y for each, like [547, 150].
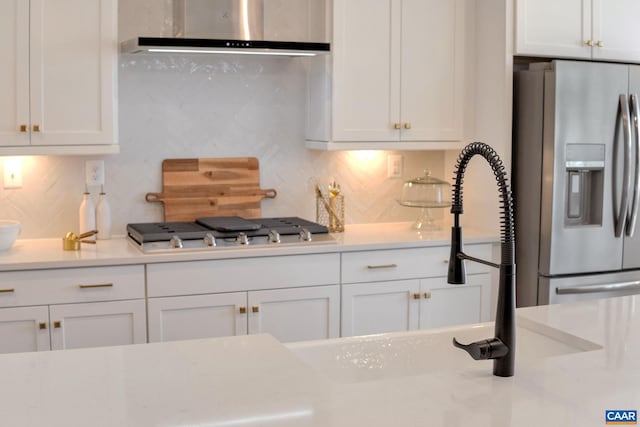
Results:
[295, 314]
[293, 298]
[406, 289]
[97, 324]
[374, 308]
[197, 316]
[404, 305]
[72, 308]
[24, 329]
[443, 304]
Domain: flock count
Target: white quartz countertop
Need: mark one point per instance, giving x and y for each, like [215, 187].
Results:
[29, 254]
[256, 381]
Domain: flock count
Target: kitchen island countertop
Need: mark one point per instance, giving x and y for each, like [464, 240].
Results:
[29, 254]
[256, 381]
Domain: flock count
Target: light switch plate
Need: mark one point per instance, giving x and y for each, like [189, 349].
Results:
[394, 166]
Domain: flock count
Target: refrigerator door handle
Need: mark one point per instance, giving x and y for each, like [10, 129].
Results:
[624, 200]
[593, 289]
[633, 212]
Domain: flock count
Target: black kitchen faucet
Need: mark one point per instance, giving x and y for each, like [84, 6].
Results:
[502, 347]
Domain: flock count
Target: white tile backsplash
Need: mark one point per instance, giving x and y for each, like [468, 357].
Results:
[208, 106]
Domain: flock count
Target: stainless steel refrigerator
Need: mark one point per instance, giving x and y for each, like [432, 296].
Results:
[575, 181]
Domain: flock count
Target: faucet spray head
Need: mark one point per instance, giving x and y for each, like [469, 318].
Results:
[457, 271]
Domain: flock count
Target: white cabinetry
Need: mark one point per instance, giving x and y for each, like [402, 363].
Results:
[588, 29]
[406, 289]
[57, 76]
[71, 308]
[291, 297]
[396, 77]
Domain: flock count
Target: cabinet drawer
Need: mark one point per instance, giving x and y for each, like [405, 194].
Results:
[398, 264]
[202, 277]
[69, 285]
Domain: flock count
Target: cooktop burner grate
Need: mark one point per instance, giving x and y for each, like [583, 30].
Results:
[232, 226]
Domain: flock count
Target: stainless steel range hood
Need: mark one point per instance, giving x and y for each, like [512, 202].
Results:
[230, 27]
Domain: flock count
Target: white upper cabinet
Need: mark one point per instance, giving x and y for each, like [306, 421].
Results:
[395, 77]
[60, 76]
[587, 29]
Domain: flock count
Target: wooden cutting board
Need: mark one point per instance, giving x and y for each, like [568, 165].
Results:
[194, 188]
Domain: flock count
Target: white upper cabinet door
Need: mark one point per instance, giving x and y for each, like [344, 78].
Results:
[616, 32]
[553, 28]
[366, 52]
[14, 72]
[296, 314]
[73, 64]
[432, 76]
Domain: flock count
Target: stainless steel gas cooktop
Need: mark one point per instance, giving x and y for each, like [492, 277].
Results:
[214, 233]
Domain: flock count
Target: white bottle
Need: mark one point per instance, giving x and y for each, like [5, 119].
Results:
[103, 217]
[87, 213]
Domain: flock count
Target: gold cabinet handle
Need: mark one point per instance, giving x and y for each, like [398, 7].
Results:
[23, 128]
[255, 309]
[42, 325]
[7, 291]
[57, 324]
[100, 285]
[242, 310]
[416, 296]
[589, 42]
[377, 267]
[427, 295]
[36, 128]
[407, 125]
[397, 126]
[600, 43]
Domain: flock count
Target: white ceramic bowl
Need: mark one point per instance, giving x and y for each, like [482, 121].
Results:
[9, 230]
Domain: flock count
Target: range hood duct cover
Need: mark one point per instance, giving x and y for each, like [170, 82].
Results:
[221, 26]
[219, 19]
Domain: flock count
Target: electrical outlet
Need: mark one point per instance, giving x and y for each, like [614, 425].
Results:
[94, 172]
[12, 172]
[394, 166]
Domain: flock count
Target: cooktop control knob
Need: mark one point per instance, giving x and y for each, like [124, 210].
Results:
[175, 242]
[242, 239]
[274, 236]
[305, 235]
[209, 240]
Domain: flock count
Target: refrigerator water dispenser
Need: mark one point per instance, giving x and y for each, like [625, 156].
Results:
[584, 170]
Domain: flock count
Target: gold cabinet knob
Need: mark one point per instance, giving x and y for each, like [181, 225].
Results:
[589, 42]
[427, 295]
[416, 296]
[42, 325]
[36, 128]
[255, 309]
[407, 125]
[57, 324]
[23, 128]
[397, 126]
[600, 43]
[243, 310]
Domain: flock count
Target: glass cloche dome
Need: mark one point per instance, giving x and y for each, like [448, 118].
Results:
[426, 192]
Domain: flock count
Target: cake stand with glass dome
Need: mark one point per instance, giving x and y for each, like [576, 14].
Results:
[426, 192]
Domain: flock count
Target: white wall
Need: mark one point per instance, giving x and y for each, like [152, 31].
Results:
[214, 106]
